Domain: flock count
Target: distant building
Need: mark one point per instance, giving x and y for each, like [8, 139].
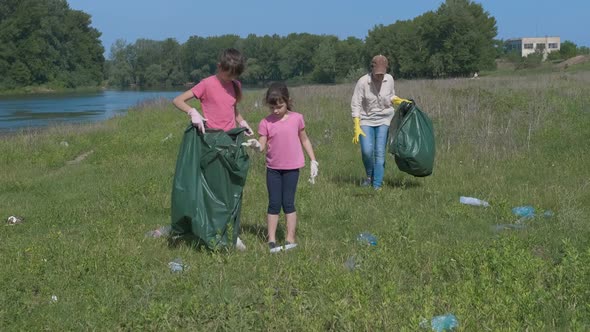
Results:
[530, 45]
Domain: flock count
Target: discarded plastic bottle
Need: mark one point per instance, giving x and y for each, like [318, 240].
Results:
[525, 211]
[447, 322]
[473, 201]
[162, 231]
[548, 214]
[177, 265]
[367, 238]
[351, 263]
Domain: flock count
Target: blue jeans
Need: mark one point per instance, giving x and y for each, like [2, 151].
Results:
[373, 152]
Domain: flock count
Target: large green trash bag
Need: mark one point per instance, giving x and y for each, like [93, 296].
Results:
[207, 190]
[411, 140]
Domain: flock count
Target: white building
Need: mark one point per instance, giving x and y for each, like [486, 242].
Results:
[530, 45]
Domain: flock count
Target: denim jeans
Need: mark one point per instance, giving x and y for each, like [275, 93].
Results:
[373, 152]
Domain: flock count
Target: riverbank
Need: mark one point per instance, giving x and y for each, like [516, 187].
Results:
[81, 259]
[41, 90]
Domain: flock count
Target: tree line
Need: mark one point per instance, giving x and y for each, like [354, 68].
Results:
[45, 43]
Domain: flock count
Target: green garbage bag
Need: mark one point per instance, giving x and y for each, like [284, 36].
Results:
[210, 175]
[411, 140]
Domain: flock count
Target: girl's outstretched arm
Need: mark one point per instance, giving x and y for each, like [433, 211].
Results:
[262, 140]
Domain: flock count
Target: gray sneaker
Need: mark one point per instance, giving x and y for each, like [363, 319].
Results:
[273, 247]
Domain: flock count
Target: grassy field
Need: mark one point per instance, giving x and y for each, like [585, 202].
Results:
[509, 140]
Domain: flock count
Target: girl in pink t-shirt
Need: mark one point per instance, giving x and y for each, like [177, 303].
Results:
[283, 134]
[219, 94]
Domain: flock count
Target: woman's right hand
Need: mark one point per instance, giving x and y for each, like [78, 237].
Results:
[197, 120]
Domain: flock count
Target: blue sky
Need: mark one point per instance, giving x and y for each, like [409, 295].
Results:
[180, 19]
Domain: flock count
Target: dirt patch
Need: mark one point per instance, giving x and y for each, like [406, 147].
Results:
[574, 61]
[79, 158]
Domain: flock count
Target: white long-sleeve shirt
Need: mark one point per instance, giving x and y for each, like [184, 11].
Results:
[373, 107]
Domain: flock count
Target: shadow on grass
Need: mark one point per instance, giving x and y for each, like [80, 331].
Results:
[403, 183]
[261, 231]
[188, 240]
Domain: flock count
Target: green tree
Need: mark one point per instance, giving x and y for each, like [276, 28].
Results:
[55, 44]
[324, 61]
[568, 49]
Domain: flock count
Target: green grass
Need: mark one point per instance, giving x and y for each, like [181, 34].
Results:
[509, 140]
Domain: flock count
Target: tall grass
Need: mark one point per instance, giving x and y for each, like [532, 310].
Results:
[509, 140]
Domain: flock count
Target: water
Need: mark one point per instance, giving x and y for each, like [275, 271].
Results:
[45, 109]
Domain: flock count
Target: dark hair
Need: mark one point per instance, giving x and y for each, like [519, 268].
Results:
[277, 92]
[232, 61]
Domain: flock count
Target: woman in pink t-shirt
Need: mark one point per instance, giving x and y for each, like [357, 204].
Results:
[219, 94]
[283, 134]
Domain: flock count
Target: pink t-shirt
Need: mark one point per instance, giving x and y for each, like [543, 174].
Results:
[217, 101]
[284, 146]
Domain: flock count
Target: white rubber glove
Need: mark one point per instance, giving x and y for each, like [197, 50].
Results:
[249, 131]
[197, 120]
[314, 171]
[252, 143]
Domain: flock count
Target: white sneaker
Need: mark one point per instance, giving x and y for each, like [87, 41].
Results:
[290, 246]
[240, 245]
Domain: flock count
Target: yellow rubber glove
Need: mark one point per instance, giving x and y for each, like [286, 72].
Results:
[397, 100]
[357, 131]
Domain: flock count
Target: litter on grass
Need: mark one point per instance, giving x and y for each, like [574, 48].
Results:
[177, 266]
[14, 220]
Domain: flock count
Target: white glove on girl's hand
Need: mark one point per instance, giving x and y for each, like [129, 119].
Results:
[252, 143]
[314, 171]
[197, 120]
[249, 131]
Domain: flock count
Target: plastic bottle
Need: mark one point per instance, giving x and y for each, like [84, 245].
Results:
[447, 322]
[351, 263]
[177, 265]
[160, 232]
[526, 211]
[367, 238]
[473, 201]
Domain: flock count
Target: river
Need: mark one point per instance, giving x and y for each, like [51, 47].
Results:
[26, 111]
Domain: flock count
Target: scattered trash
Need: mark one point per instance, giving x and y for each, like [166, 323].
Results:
[167, 137]
[473, 201]
[351, 264]
[53, 298]
[64, 143]
[526, 211]
[13, 220]
[162, 231]
[367, 238]
[177, 265]
[240, 245]
[447, 322]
